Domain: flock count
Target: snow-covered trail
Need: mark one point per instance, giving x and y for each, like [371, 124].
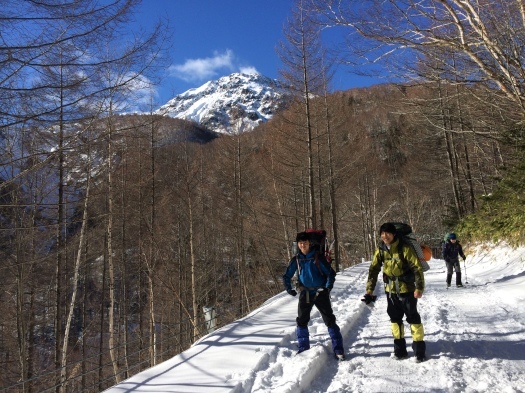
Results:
[287, 372]
[478, 327]
[475, 341]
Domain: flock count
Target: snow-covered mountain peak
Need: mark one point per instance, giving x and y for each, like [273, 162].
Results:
[232, 104]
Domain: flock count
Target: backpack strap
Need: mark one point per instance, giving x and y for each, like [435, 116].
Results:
[297, 262]
[316, 262]
[401, 243]
[401, 252]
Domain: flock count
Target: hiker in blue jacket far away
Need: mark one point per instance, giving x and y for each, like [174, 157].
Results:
[315, 281]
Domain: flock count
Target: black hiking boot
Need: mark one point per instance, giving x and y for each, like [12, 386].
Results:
[420, 358]
[400, 348]
[400, 355]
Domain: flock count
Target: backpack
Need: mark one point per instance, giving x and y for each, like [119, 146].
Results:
[427, 252]
[446, 237]
[318, 241]
[406, 236]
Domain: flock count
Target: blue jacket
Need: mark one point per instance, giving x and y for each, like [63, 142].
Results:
[311, 274]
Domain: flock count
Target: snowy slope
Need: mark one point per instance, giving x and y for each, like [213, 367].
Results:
[231, 104]
[475, 341]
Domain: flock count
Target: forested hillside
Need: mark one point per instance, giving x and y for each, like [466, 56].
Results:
[174, 221]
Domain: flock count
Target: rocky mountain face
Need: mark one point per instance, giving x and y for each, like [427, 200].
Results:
[232, 104]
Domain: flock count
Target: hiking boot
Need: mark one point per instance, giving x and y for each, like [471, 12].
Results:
[448, 285]
[401, 354]
[340, 356]
[420, 358]
[401, 357]
[459, 285]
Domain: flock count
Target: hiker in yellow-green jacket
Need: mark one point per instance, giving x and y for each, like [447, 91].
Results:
[404, 284]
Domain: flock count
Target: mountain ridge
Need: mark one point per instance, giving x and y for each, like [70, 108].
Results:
[231, 104]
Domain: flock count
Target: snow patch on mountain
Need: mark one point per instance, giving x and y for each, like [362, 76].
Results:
[232, 104]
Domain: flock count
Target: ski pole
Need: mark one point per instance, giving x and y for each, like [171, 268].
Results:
[465, 266]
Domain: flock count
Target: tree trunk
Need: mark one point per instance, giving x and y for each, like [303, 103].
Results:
[152, 254]
[110, 260]
[60, 256]
[101, 384]
[450, 153]
[331, 183]
[63, 370]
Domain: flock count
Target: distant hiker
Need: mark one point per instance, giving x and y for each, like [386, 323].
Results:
[315, 281]
[452, 250]
[404, 284]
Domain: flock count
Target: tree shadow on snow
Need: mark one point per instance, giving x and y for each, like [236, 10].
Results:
[480, 349]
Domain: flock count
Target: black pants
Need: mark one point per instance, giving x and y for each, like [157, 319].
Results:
[399, 306]
[406, 305]
[453, 265]
[323, 304]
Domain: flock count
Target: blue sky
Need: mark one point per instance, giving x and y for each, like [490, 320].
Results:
[213, 38]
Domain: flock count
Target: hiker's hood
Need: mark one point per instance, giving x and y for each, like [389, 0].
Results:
[309, 255]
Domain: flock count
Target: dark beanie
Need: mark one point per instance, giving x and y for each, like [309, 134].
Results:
[452, 236]
[388, 227]
[302, 236]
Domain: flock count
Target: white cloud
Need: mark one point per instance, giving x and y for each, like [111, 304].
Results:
[144, 92]
[194, 70]
[197, 70]
[249, 70]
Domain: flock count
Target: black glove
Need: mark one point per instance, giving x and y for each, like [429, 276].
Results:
[292, 292]
[324, 290]
[369, 298]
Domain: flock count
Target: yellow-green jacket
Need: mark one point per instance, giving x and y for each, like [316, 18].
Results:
[407, 269]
